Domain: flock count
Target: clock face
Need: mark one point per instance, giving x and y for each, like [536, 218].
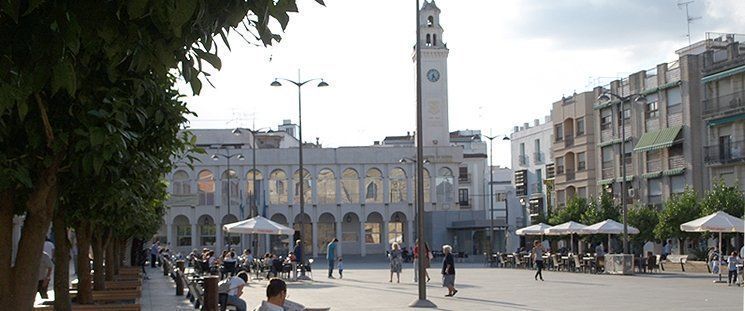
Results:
[433, 75]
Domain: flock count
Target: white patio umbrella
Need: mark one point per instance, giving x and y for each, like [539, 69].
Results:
[608, 226]
[258, 225]
[569, 228]
[533, 230]
[717, 222]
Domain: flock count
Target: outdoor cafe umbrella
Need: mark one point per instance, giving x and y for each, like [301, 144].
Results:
[569, 227]
[533, 230]
[717, 222]
[608, 227]
[258, 225]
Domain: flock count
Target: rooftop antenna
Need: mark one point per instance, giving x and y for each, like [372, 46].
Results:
[689, 19]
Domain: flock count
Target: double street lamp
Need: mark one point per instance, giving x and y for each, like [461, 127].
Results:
[636, 98]
[491, 195]
[254, 210]
[227, 157]
[299, 83]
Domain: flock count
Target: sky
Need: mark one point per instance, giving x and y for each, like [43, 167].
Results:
[509, 60]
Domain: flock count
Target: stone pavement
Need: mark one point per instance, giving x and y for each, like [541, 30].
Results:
[365, 287]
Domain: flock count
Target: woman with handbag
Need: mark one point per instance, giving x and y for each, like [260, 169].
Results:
[425, 260]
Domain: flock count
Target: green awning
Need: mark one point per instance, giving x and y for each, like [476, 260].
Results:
[651, 175]
[628, 178]
[726, 120]
[669, 85]
[614, 141]
[675, 171]
[723, 74]
[646, 140]
[649, 91]
[605, 104]
[606, 181]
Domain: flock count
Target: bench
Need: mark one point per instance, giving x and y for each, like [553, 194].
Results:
[681, 259]
[123, 284]
[121, 307]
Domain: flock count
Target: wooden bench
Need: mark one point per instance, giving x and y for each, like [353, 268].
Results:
[680, 259]
[123, 284]
[115, 306]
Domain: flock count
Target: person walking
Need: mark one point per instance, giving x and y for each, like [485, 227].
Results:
[448, 271]
[426, 258]
[154, 253]
[331, 256]
[340, 266]
[538, 259]
[45, 273]
[732, 262]
[396, 262]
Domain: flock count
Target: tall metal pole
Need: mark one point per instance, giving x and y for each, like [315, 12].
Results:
[422, 301]
[300, 164]
[491, 196]
[623, 178]
[227, 151]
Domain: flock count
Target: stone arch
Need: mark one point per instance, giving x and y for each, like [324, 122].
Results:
[374, 186]
[397, 229]
[326, 231]
[326, 186]
[206, 231]
[206, 187]
[306, 234]
[350, 186]
[278, 187]
[182, 231]
[397, 185]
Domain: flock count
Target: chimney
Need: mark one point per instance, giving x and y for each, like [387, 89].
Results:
[408, 134]
[376, 143]
[536, 122]
[526, 125]
[515, 129]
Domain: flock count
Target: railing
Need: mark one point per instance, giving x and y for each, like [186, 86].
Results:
[560, 170]
[537, 157]
[464, 178]
[724, 103]
[523, 159]
[676, 161]
[464, 204]
[568, 141]
[570, 174]
[725, 153]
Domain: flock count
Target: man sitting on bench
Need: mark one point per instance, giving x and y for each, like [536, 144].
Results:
[236, 290]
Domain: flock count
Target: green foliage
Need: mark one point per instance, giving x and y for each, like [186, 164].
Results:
[572, 212]
[540, 218]
[678, 209]
[599, 210]
[721, 197]
[645, 219]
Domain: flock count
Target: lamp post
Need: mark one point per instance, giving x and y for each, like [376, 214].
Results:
[299, 83]
[227, 157]
[622, 99]
[491, 193]
[254, 198]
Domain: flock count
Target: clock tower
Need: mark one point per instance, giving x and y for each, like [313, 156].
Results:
[434, 77]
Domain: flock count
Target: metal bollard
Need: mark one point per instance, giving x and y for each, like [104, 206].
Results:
[179, 281]
[210, 293]
[165, 267]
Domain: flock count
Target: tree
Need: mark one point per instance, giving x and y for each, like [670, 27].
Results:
[63, 62]
[645, 219]
[721, 197]
[572, 212]
[678, 209]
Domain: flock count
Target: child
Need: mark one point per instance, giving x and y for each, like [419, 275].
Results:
[340, 266]
[732, 262]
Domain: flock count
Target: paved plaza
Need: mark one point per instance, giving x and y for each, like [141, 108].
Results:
[365, 287]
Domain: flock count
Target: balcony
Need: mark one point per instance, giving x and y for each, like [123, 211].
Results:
[725, 153]
[464, 178]
[568, 141]
[676, 161]
[537, 157]
[724, 103]
[465, 204]
[522, 159]
[570, 174]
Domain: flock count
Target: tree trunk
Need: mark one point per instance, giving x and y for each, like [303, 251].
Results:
[109, 247]
[681, 245]
[61, 263]
[39, 209]
[99, 277]
[6, 243]
[118, 245]
[85, 284]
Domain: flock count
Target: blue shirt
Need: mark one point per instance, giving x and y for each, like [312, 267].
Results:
[331, 251]
[154, 250]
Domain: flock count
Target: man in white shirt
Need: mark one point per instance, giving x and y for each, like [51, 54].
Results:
[49, 248]
[236, 290]
[44, 274]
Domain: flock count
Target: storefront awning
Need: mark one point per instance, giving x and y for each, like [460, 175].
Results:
[726, 120]
[723, 74]
[659, 139]
[675, 171]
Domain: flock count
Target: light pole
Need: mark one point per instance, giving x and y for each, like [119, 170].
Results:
[622, 99]
[491, 193]
[254, 197]
[227, 157]
[301, 180]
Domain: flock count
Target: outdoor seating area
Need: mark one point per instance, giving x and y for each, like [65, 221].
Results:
[122, 293]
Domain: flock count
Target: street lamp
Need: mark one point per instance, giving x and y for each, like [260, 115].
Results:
[254, 146]
[491, 194]
[227, 156]
[637, 98]
[299, 85]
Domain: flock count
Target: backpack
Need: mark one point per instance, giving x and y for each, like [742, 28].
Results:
[224, 286]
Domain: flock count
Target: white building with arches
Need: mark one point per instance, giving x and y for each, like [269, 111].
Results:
[363, 196]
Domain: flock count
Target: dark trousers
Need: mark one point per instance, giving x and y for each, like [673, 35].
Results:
[331, 267]
[42, 289]
[732, 277]
[152, 261]
[539, 267]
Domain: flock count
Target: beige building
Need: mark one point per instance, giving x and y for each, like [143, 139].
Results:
[573, 146]
[723, 104]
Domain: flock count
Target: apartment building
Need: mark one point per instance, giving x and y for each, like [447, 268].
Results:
[723, 104]
[573, 146]
[531, 153]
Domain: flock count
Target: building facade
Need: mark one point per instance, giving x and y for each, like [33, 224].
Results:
[723, 104]
[363, 196]
[531, 153]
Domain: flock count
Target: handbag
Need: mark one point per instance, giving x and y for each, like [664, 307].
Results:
[430, 256]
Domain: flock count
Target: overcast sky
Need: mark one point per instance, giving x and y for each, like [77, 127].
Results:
[509, 60]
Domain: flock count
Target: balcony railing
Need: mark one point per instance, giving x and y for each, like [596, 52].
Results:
[464, 204]
[676, 161]
[523, 159]
[725, 153]
[559, 170]
[537, 157]
[570, 174]
[568, 141]
[464, 178]
[724, 103]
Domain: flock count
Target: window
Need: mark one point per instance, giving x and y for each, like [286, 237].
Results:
[181, 184]
[581, 161]
[430, 21]
[307, 187]
[522, 149]
[428, 41]
[651, 108]
[326, 187]
[350, 231]
[559, 132]
[560, 165]
[580, 126]
[607, 164]
[725, 147]
[445, 186]
[372, 233]
[653, 161]
[434, 39]
[374, 186]
[426, 185]
[677, 184]
[350, 186]
[278, 187]
[654, 187]
[183, 231]
[537, 156]
[539, 181]
[582, 192]
[605, 118]
[206, 188]
[250, 188]
[397, 181]
[207, 231]
[674, 101]
[463, 173]
[522, 159]
[395, 232]
[229, 193]
[463, 197]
